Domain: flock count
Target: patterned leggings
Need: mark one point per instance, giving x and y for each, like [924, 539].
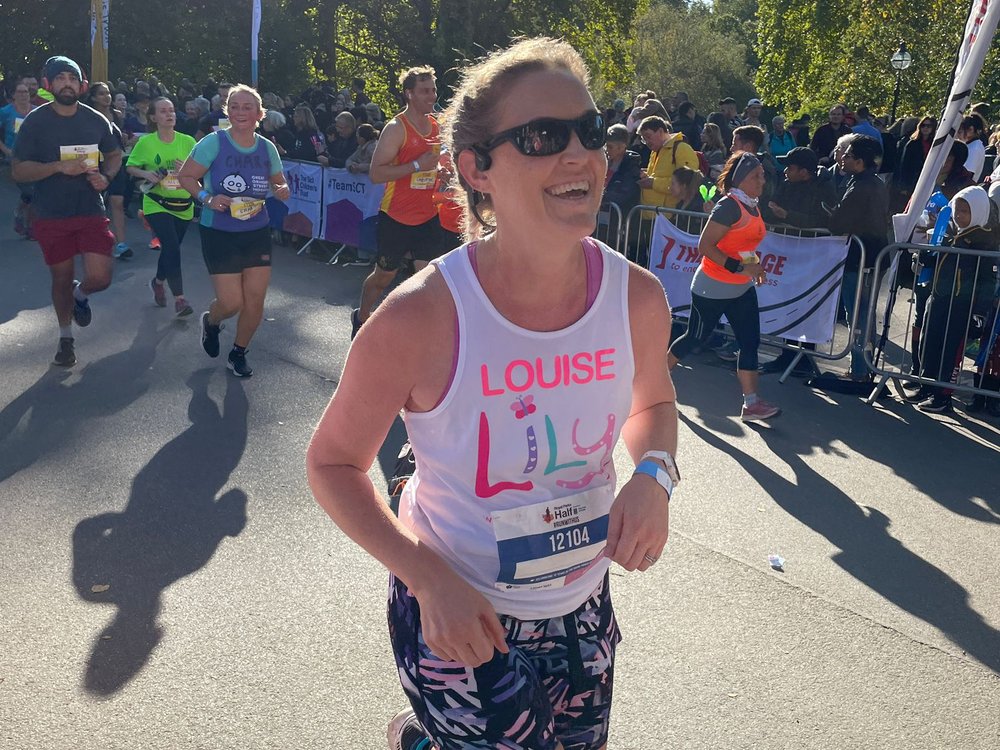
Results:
[554, 685]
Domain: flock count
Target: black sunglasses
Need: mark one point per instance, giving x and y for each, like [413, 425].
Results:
[547, 135]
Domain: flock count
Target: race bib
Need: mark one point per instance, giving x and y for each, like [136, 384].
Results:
[548, 544]
[245, 208]
[423, 180]
[170, 181]
[17, 124]
[91, 154]
[426, 180]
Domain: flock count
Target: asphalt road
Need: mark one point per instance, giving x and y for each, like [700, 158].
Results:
[237, 616]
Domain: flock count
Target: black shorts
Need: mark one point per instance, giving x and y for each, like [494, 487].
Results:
[232, 252]
[119, 185]
[423, 241]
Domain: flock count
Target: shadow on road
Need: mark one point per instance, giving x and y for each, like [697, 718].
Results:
[867, 551]
[171, 527]
[50, 414]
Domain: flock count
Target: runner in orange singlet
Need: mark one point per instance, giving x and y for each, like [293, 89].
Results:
[406, 158]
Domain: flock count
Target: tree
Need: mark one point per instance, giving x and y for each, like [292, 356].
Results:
[679, 49]
[817, 52]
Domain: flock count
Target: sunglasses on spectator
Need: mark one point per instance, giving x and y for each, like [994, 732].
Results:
[547, 135]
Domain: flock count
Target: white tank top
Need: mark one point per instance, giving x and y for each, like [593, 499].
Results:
[514, 472]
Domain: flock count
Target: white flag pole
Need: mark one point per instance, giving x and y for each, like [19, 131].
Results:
[254, 43]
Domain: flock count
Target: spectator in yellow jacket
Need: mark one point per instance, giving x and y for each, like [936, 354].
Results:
[668, 151]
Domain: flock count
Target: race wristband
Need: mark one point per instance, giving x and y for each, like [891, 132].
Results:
[658, 473]
[416, 165]
[668, 460]
[204, 196]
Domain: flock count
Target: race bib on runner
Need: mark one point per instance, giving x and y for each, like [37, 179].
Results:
[170, 181]
[426, 180]
[245, 208]
[548, 544]
[91, 154]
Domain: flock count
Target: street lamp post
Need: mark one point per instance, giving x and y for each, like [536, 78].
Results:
[900, 61]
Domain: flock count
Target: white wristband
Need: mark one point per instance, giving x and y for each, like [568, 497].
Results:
[668, 459]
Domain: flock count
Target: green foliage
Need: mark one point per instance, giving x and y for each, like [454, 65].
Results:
[681, 49]
[817, 52]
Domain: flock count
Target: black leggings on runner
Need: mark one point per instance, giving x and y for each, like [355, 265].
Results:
[169, 230]
[743, 315]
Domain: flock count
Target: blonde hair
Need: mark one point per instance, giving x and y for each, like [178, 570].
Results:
[242, 88]
[478, 98]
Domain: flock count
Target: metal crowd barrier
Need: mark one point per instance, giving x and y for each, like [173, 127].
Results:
[636, 241]
[610, 225]
[903, 340]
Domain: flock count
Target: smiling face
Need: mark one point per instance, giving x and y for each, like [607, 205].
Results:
[120, 102]
[559, 194]
[243, 111]
[191, 109]
[422, 96]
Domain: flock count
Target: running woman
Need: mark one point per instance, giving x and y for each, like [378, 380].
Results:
[68, 150]
[727, 278]
[235, 231]
[518, 360]
[156, 158]
[11, 118]
[406, 158]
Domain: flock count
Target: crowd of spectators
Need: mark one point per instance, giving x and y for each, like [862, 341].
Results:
[846, 176]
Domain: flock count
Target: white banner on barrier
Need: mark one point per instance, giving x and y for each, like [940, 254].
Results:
[305, 204]
[800, 298]
[350, 208]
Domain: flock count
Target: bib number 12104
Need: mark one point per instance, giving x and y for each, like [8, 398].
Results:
[569, 539]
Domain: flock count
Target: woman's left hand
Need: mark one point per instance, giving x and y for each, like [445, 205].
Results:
[639, 524]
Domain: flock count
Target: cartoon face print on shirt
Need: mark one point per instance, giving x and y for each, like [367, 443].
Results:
[234, 183]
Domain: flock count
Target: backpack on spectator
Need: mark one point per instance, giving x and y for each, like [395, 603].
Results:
[703, 166]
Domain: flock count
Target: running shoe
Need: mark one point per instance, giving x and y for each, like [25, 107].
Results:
[405, 732]
[159, 296]
[238, 364]
[760, 411]
[921, 394]
[936, 405]
[122, 250]
[355, 322]
[209, 336]
[154, 244]
[81, 310]
[65, 356]
[181, 307]
[729, 352]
